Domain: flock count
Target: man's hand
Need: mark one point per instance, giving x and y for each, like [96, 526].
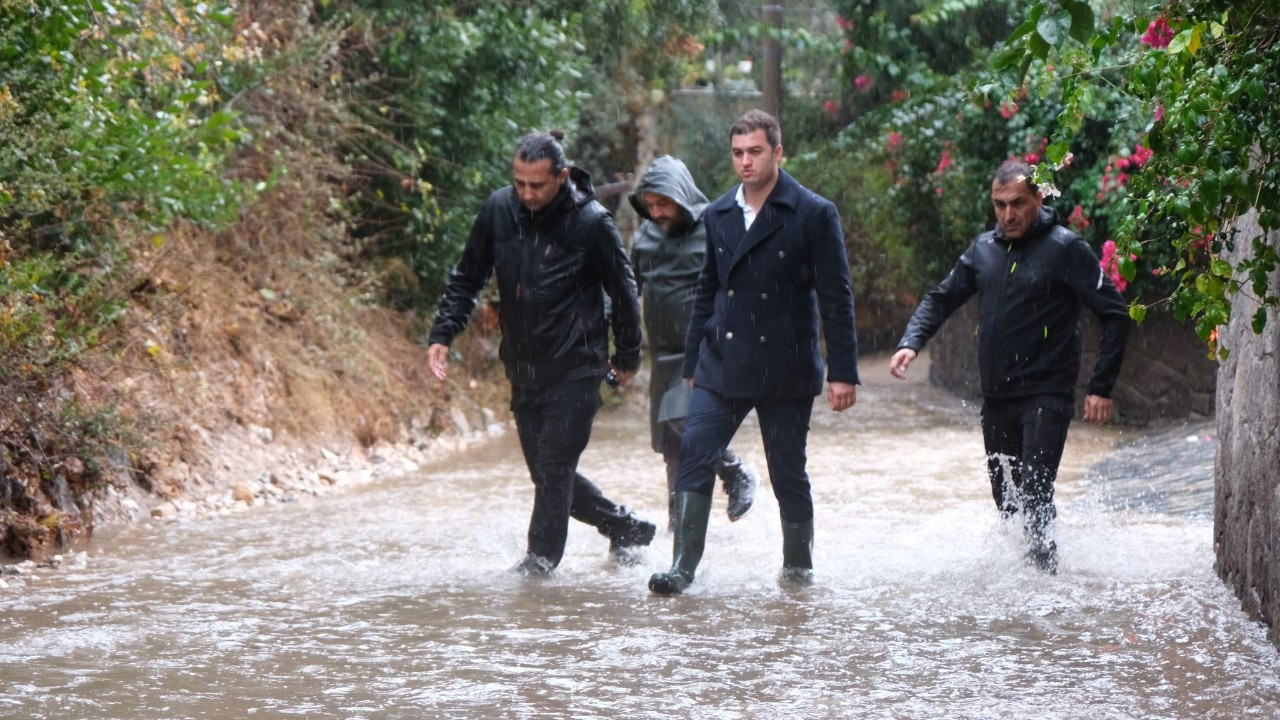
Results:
[841, 396]
[900, 362]
[1097, 409]
[438, 358]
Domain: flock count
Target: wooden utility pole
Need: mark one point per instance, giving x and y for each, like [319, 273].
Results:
[772, 89]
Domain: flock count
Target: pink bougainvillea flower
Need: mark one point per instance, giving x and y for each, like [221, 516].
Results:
[1158, 34]
[1159, 113]
[863, 83]
[1111, 265]
[848, 45]
[900, 95]
[1008, 109]
[1141, 155]
[830, 108]
[944, 162]
[843, 22]
[1031, 158]
[1077, 220]
[895, 141]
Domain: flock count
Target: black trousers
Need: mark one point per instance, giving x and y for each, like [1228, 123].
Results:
[554, 424]
[1024, 439]
[672, 430]
[784, 426]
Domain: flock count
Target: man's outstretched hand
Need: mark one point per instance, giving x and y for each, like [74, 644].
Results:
[438, 359]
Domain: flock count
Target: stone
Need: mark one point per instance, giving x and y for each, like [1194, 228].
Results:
[241, 492]
[1246, 512]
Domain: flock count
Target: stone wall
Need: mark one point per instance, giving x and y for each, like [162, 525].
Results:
[1246, 531]
[1166, 375]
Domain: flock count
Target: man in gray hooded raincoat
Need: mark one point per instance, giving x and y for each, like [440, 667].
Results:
[667, 253]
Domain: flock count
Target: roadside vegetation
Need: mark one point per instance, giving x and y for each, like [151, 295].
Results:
[224, 214]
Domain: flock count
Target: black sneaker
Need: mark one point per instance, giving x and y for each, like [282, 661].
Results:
[534, 566]
[1045, 557]
[633, 532]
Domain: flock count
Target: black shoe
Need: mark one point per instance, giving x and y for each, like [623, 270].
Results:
[534, 566]
[795, 577]
[1045, 557]
[740, 485]
[626, 555]
[632, 532]
[669, 583]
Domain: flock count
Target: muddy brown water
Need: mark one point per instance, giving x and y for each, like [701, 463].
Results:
[395, 601]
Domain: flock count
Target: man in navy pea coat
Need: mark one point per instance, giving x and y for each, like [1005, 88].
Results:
[775, 265]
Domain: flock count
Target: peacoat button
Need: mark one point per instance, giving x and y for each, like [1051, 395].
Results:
[782, 253]
[720, 250]
[764, 296]
[762, 339]
[730, 293]
[728, 335]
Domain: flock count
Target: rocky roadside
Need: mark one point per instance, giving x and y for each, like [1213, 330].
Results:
[253, 470]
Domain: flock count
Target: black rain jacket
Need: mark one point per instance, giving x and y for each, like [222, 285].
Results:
[1030, 292]
[553, 268]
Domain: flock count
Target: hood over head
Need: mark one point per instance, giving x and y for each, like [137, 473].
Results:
[668, 176]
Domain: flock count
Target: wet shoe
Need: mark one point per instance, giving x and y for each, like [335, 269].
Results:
[533, 566]
[692, 513]
[795, 577]
[1044, 557]
[633, 533]
[626, 555]
[669, 583]
[797, 554]
[740, 485]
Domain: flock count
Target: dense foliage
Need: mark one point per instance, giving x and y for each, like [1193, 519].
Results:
[1200, 76]
[115, 121]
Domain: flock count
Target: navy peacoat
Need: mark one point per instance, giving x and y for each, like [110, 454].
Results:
[754, 330]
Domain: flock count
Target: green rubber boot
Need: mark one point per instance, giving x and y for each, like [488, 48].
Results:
[692, 512]
[797, 553]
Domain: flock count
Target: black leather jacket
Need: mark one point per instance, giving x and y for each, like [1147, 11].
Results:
[553, 268]
[1030, 292]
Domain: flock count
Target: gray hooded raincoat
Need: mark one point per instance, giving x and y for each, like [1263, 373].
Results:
[667, 270]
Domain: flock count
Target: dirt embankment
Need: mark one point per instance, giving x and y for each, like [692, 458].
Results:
[256, 365]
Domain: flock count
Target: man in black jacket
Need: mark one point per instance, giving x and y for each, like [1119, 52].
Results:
[775, 267]
[1031, 276]
[556, 251]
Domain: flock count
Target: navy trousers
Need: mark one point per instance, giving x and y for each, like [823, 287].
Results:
[784, 427]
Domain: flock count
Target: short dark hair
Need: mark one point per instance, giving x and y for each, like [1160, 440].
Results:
[753, 120]
[543, 145]
[1012, 171]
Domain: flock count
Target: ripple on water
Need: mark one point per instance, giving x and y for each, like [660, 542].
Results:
[395, 602]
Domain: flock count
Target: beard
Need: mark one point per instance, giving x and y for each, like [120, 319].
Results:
[677, 225]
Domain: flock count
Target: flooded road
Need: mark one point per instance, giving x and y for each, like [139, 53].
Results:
[395, 601]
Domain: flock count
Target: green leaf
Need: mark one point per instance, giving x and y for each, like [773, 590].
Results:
[1127, 267]
[1179, 42]
[1138, 312]
[1039, 47]
[1057, 151]
[1221, 268]
[1009, 57]
[1054, 28]
[1082, 22]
